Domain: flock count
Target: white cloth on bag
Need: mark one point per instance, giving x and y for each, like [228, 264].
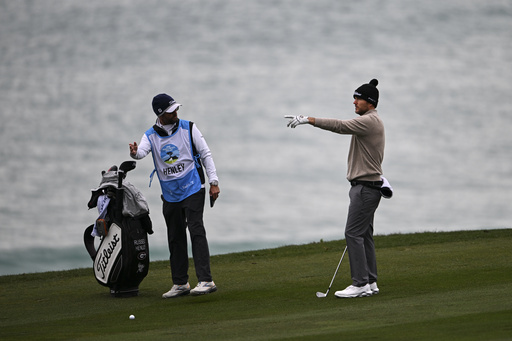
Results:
[103, 201]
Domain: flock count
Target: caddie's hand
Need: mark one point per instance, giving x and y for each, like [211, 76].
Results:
[214, 191]
[296, 120]
[133, 148]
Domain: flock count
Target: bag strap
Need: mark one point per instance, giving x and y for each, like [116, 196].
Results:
[89, 242]
[197, 156]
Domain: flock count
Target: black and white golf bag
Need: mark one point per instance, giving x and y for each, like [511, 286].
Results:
[121, 261]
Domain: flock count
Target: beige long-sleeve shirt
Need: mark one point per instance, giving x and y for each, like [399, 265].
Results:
[367, 146]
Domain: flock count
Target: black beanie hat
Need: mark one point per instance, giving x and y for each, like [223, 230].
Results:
[369, 92]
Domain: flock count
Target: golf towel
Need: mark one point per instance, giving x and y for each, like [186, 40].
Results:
[386, 190]
[103, 201]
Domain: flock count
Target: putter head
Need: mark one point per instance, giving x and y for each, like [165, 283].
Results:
[127, 166]
[320, 294]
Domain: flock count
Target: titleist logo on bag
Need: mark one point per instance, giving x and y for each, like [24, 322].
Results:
[108, 252]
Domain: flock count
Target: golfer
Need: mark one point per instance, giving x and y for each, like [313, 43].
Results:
[179, 151]
[364, 174]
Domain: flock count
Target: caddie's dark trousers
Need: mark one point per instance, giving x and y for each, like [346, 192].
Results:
[359, 234]
[179, 215]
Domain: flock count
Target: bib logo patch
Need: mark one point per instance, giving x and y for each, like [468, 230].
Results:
[169, 153]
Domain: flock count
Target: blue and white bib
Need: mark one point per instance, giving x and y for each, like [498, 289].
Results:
[174, 163]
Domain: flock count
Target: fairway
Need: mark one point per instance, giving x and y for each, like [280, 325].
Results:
[433, 286]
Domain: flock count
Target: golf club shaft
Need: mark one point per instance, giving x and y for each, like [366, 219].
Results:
[336, 272]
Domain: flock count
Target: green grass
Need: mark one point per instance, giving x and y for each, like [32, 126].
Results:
[434, 286]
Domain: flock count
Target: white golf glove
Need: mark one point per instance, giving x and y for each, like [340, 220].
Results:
[296, 120]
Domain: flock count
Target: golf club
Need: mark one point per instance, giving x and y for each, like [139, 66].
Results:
[321, 294]
[125, 167]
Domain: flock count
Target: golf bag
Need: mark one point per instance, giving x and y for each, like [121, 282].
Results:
[121, 261]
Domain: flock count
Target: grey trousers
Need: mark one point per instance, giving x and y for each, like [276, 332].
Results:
[359, 234]
[178, 216]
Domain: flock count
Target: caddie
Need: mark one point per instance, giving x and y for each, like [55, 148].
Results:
[179, 152]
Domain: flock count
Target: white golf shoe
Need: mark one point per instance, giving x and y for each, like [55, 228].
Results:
[353, 291]
[177, 290]
[203, 288]
[374, 288]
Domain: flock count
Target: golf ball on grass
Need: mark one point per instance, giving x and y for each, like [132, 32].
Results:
[132, 317]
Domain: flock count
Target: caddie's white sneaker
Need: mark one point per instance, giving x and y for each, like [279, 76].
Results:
[203, 288]
[374, 288]
[177, 290]
[353, 291]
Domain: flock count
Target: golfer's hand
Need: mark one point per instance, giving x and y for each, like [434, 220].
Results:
[296, 120]
[133, 148]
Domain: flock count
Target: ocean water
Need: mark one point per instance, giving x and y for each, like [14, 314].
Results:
[77, 79]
